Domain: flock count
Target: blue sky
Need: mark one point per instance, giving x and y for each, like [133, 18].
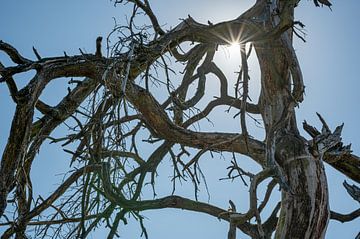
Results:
[329, 61]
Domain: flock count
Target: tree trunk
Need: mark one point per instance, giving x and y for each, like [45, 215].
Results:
[117, 182]
[305, 206]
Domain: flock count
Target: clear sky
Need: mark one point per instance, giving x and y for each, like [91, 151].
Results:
[329, 60]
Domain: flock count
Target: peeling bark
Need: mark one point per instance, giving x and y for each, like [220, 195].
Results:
[113, 173]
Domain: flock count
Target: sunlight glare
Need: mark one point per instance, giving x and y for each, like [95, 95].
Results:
[234, 48]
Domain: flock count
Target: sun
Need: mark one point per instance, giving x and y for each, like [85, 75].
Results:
[231, 50]
[234, 48]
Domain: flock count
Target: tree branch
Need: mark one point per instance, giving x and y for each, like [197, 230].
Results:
[187, 204]
[155, 117]
[345, 217]
[13, 53]
[54, 196]
[353, 191]
[333, 150]
[147, 9]
[348, 164]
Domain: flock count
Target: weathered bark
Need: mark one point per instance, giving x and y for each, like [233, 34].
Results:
[304, 201]
[305, 205]
[25, 137]
[116, 175]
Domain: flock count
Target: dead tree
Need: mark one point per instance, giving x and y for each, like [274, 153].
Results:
[110, 109]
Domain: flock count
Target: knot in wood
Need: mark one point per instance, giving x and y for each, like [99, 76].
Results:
[288, 147]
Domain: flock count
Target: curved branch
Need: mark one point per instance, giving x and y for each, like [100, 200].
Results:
[21, 127]
[253, 210]
[191, 205]
[56, 194]
[10, 82]
[222, 78]
[157, 119]
[270, 224]
[295, 70]
[146, 8]
[13, 53]
[196, 55]
[345, 217]
[224, 100]
[269, 190]
[63, 187]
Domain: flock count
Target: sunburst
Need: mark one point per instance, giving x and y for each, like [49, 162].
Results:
[234, 48]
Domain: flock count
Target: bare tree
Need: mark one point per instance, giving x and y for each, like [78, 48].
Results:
[115, 111]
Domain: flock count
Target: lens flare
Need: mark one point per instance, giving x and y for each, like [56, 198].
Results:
[234, 48]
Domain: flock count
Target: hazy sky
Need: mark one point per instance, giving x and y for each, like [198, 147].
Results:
[329, 60]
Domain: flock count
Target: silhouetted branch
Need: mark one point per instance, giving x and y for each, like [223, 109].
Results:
[345, 217]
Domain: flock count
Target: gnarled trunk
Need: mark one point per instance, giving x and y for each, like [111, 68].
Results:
[105, 131]
[305, 206]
